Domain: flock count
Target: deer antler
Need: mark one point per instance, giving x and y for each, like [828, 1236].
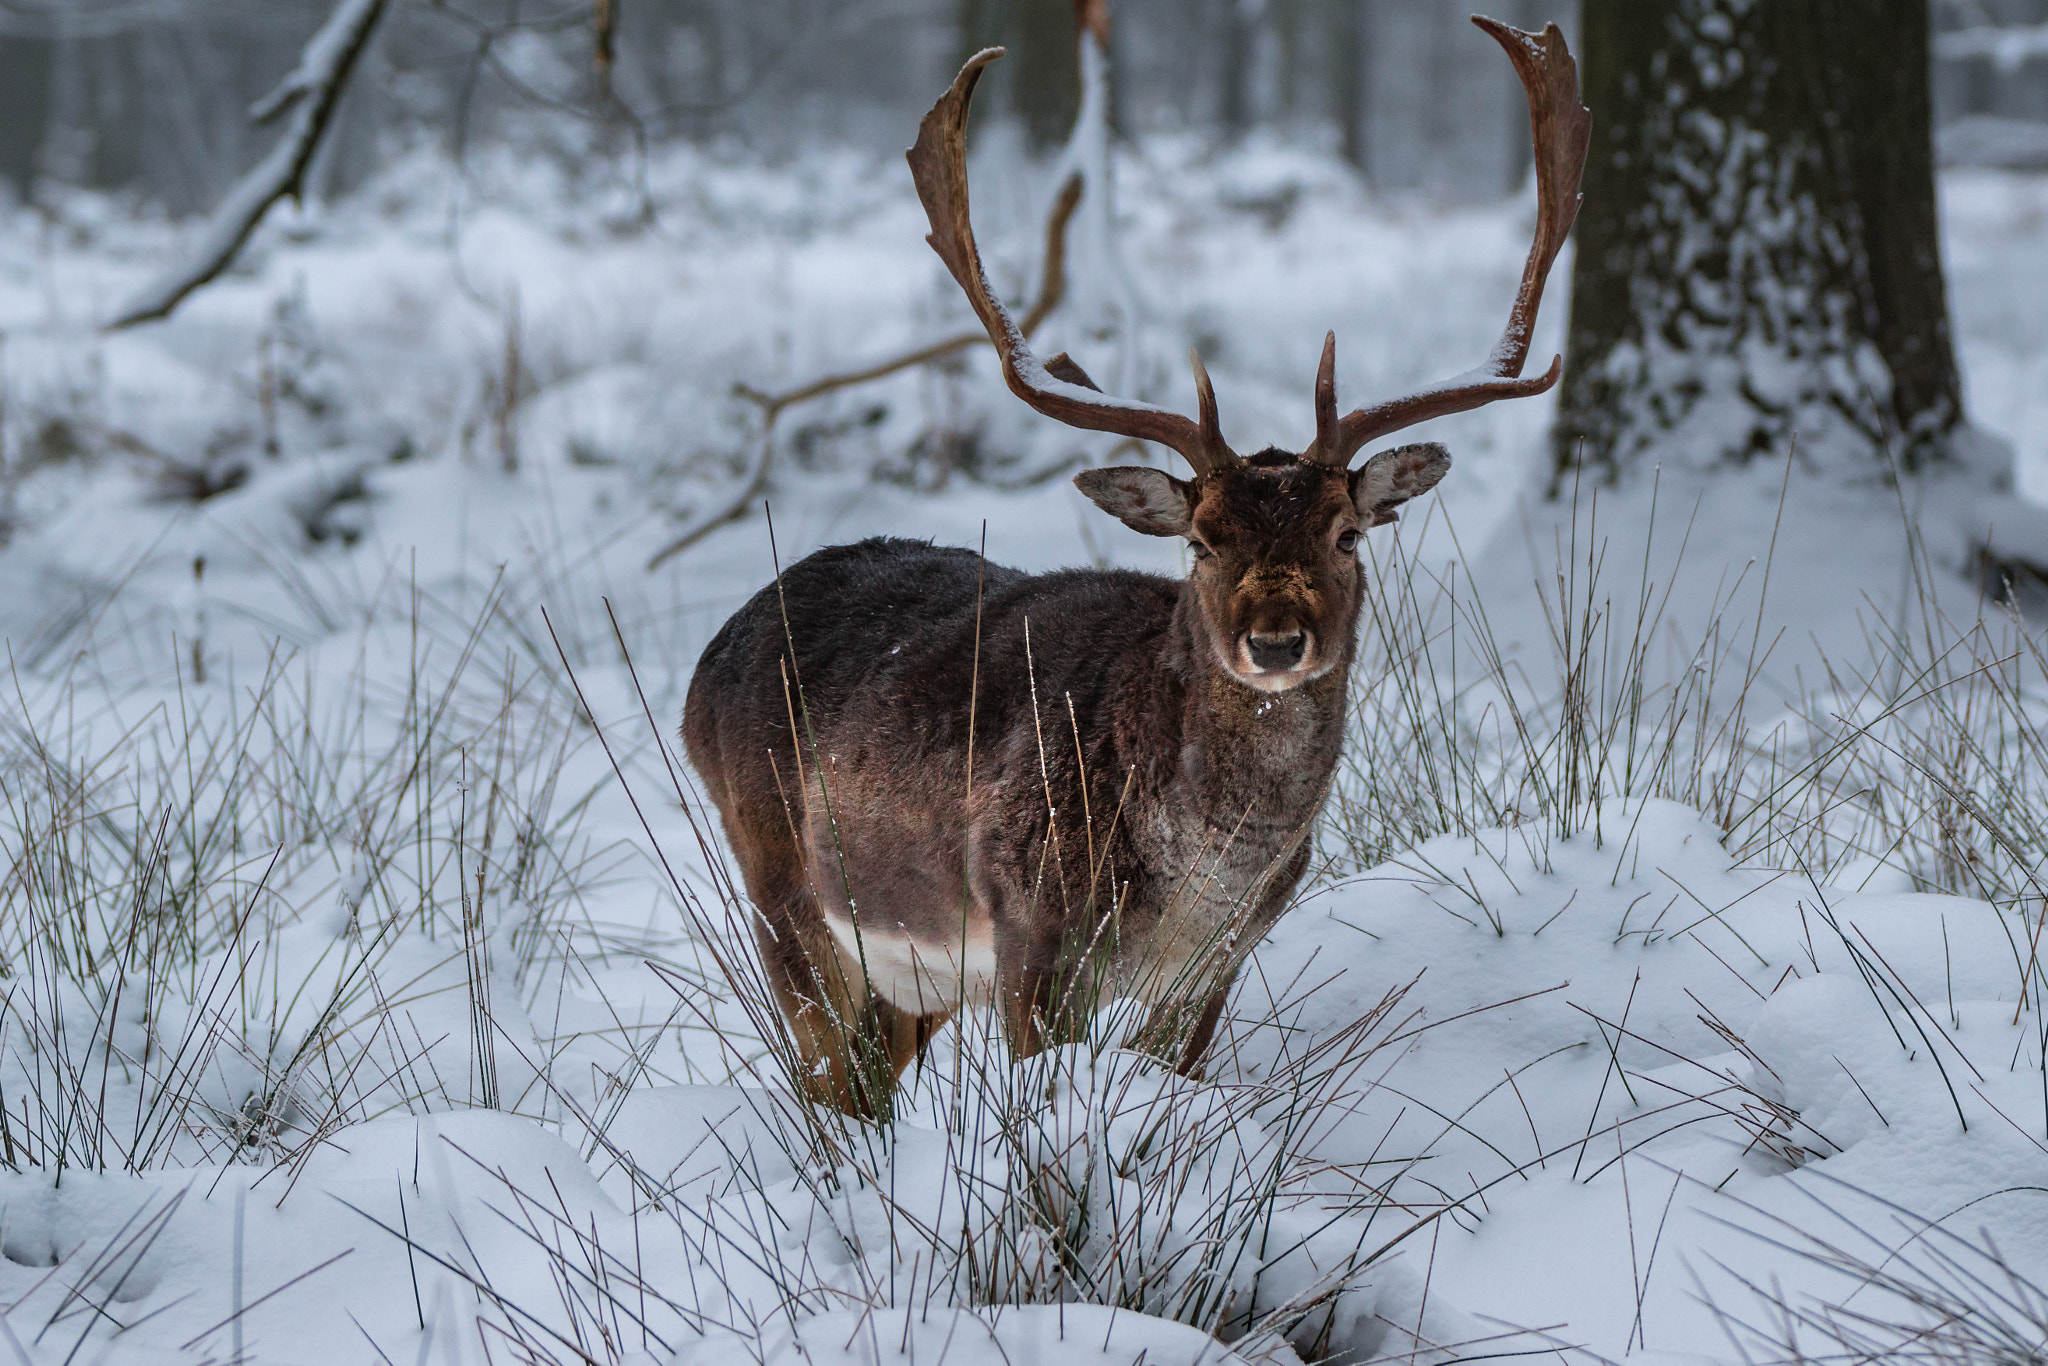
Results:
[1560, 126]
[1058, 388]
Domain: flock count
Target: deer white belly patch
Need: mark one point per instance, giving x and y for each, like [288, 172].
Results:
[916, 975]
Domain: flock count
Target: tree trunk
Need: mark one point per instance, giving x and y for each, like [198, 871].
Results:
[1048, 75]
[1233, 49]
[1041, 81]
[1757, 260]
[1347, 77]
[24, 110]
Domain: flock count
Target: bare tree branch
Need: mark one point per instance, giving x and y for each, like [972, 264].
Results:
[1051, 289]
[311, 92]
[755, 485]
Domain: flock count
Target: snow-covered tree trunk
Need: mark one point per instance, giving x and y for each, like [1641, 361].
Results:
[1757, 258]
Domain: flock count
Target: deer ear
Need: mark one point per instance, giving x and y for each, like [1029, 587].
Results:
[1151, 501]
[1391, 478]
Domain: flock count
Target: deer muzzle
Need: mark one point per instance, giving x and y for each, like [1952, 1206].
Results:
[1276, 651]
[1276, 658]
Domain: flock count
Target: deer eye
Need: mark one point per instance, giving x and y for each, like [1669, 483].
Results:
[1348, 541]
[1202, 552]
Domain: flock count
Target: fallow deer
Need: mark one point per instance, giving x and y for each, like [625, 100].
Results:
[947, 782]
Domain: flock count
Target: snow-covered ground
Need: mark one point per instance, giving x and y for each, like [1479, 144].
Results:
[356, 1009]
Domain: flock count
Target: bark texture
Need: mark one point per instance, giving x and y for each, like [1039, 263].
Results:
[1757, 258]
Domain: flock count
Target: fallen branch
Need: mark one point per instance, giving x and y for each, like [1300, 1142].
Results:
[1091, 41]
[755, 485]
[311, 92]
[1052, 288]
[1086, 158]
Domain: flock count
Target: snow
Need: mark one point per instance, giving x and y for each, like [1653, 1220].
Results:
[1637, 947]
[2008, 48]
[1988, 140]
[392, 1019]
[1038, 1335]
[312, 90]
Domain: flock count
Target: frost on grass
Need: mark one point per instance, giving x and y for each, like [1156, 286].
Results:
[347, 1006]
[365, 964]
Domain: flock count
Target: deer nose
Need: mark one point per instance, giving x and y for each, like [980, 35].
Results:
[1277, 650]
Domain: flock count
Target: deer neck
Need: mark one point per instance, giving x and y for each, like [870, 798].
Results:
[1252, 760]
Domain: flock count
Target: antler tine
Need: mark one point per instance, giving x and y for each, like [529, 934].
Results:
[1560, 127]
[1327, 433]
[1210, 426]
[938, 164]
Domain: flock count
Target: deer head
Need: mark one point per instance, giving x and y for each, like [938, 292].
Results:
[1276, 575]
[1276, 571]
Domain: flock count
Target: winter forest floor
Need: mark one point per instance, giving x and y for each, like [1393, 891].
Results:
[1668, 987]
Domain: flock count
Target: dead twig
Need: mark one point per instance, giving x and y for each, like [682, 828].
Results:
[1052, 288]
[1091, 21]
[755, 485]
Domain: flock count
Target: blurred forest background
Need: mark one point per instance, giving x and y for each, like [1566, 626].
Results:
[152, 96]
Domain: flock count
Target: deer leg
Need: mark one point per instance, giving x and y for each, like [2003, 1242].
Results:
[1162, 1026]
[1047, 1003]
[848, 1047]
[1180, 1026]
[905, 1037]
[852, 1046]
[1190, 1062]
[824, 1009]
[1035, 1004]
[846, 1052]
[1025, 1002]
[1168, 1020]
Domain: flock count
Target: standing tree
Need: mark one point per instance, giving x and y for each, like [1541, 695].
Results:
[1757, 262]
[1046, 81]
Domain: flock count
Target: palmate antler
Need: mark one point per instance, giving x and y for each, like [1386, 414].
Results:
[1060, 389]
[1560, 127]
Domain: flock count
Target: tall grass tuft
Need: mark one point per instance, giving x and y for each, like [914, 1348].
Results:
[1922, 758]
[246, 914]
[1905, 1289]
[234, 912]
